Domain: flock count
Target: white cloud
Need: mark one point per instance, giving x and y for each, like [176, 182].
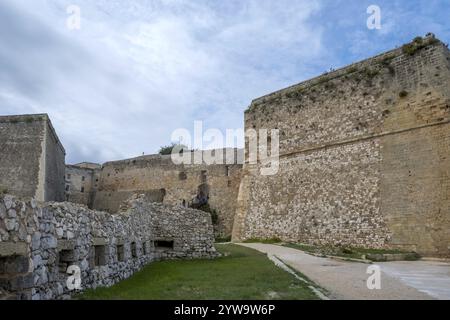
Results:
[138, 70]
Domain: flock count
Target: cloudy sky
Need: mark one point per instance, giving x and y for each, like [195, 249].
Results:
[139, 69]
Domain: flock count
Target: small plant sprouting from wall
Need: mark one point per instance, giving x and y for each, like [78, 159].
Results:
[417, 44]
[167, 150]
[3, 190]
[371, 73]
[403, 94]
[352, 70]
[386, 63]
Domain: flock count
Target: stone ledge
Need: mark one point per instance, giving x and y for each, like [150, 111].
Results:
[8, 249]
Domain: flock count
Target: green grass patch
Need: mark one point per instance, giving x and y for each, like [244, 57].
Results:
[265, 241]
[350, 253]
[241, 274]
[223, 239]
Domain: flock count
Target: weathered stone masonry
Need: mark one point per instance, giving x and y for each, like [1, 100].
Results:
[38, 242]
[32, 159]
[105, 188]
[365, 156]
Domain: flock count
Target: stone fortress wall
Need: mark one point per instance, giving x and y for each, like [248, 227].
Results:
[161, 181]
[31, 158]
[365, 156]
[39, 241]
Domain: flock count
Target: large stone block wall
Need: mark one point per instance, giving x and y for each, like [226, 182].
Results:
[38, 242]
[31, 158]
[364, 156]
[163, 181]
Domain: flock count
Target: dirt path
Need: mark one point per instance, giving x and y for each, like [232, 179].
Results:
[348, 280]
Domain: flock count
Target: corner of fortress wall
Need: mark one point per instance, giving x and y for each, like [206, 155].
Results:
[364, 156]
[40, 241]
[31, 158]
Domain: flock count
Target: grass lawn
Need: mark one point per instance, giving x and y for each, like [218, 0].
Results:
[242, 274]
[354, 253]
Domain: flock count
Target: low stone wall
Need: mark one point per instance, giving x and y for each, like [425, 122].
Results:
[39, 242]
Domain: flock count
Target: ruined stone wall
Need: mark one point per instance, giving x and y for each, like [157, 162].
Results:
[31, 158]
[163, 181]
[38, 242]
[364, 156]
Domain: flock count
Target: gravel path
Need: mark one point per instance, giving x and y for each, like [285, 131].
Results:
[348, 280]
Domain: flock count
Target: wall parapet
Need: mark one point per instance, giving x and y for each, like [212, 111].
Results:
[352, 68]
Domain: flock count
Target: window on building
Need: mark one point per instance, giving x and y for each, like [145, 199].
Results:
[83, 178]
[65, 260]
[134, 250]
[69, 176]
[82, 189]
[227, 171]
[13, 265]
[120, 253]
[164, 244]
[67, 188]
[100, 256]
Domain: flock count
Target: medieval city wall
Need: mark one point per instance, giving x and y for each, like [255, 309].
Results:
[39, 242]
[364, 156]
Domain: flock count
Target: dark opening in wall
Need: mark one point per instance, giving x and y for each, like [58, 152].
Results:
[67, 188]
[164, 244]
[83, 178]
[182, 176]
[13, 265]
[204, 176]
[202, 196]
[134, 250]
[65, 259]
[82, 189]
[120, 253]
[99, 256]
[14, 271]
[227, 171]
[69, 176]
